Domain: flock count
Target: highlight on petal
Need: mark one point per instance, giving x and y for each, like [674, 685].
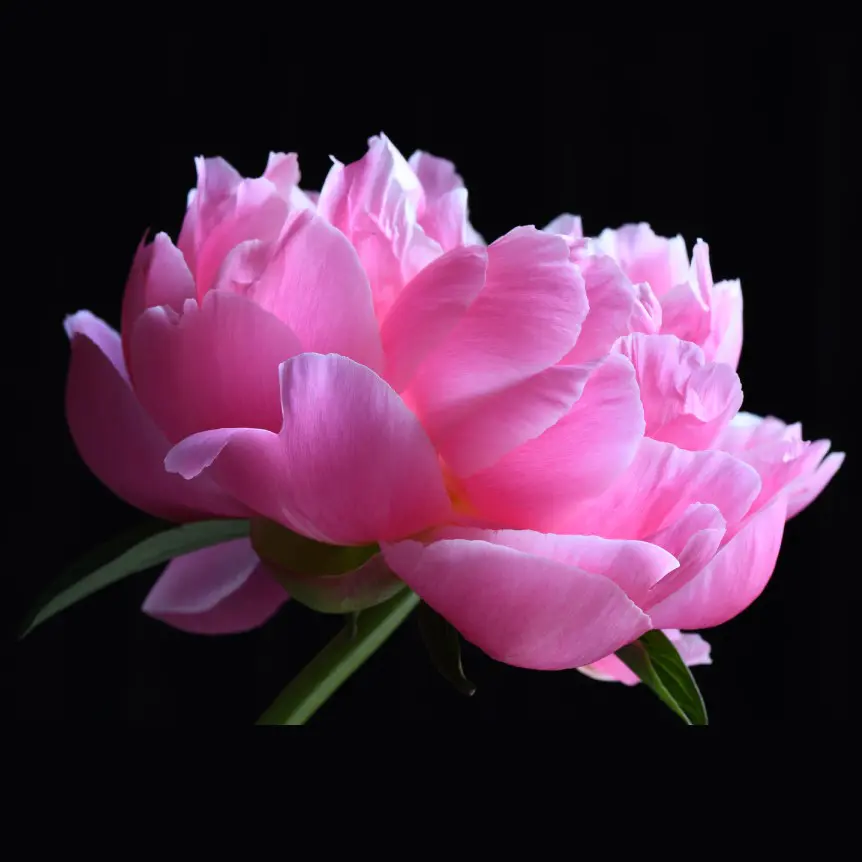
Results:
[659, 485]
[687, 400]
[525, 320]
[215, 366]
[616, 309]
[566, 225]
[692, 649]
[643, 256]
[687, 309]
[806, 489]
[222, 589]
[116, 438]
[734, 578]
[724, 342]
[519, 608]
[539, 484]
[312, 280]
[351, 464]
[428, 309]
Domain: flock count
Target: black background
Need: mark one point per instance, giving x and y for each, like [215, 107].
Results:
[745, 143]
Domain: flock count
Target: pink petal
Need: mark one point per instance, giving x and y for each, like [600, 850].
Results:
[806, 489]
[724, 343]
[615, 310]
[375, 202]
[687, 400]
[521, 609]
[159, 276]
[428, 310]
[218, 590]
[643, 256]
[566, 225]
[686, 310]
[694, 539]
[282, 170]
[351, 464]
[526, 319]
[437, 176]
[539, 484]
[216, 366]
[118, 441]
[661, 483]
[692, 648]
[445, 220]
[734, 578]
[312, 280]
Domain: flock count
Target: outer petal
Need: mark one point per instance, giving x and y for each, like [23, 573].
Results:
[219, 590]
[311, 280]
[428, 310]
[538, 484]
[214, 367]
[644, 256]
[159, 276]
[351, 464]
[117, 439]
[526, 319]
[692, 648]
[616, 309]
[661, 483]
[687, 400]
[734, 578]
[807, 488]
[521, 609]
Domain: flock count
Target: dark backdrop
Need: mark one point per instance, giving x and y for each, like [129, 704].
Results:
[743, 143]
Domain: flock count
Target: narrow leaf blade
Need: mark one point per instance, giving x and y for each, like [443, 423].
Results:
[443, 643]
[143, 547]
[659, 666]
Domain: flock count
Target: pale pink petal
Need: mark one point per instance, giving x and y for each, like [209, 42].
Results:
[282, 170]
[615, 310]
[808, 487]
[521, 609]
[428, 309]
[692, 648]
[437, 176]
[694, 539]
[566, 225]
[724, 343]
[539, 484]
[634, 566]
[312, 280]
[445, 220]
[216, 366]
[526, 319]
[687, 400]
[375, 202]
[734, 578]
[351, 464]
[643, 256]
[159, 276]
[117, 439]
[687, 310]
[660, 484]
[218, 590]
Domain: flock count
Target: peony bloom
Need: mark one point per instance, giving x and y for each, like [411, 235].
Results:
[539, 436]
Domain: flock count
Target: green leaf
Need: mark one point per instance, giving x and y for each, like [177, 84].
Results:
[658, 664]
[143, 547]
[443, 643]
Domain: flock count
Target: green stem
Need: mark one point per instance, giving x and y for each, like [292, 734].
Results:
[340, 658]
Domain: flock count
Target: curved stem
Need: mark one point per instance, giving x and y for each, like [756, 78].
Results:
[340, 658]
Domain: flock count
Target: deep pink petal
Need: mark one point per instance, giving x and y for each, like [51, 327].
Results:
[526, 319]
[351, 464]
[615, 310]
[216, 366]
[687, 400]
[312, 280]
[538, 484]
[521, 609]
[643, 256]
[734, 578]
[692, 648]
[428, 310]
[218, 590]
[660, 484]
[117, 439]
[159, 276]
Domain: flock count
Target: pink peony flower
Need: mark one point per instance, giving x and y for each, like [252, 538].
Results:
[539, 436]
